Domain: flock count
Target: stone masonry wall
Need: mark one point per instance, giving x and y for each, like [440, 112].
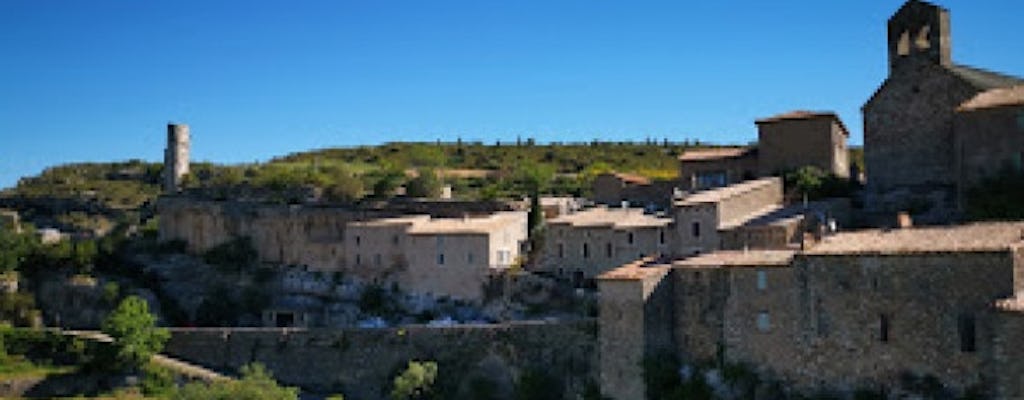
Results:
[828, 330]
[361, 362]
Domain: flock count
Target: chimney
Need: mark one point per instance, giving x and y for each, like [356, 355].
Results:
[903, 220]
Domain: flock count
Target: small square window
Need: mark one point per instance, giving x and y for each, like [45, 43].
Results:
[764, 322]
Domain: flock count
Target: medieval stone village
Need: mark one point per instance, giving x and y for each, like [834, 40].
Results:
[726, 281]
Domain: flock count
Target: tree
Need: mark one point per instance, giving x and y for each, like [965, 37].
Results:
[416, 381]
[345, 187]
[136, 336]
[256, 384]
[424, 185]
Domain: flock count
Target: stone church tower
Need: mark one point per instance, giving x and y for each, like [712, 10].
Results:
[175, 157]
[909, 143]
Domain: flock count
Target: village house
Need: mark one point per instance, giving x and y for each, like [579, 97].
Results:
[582, 245]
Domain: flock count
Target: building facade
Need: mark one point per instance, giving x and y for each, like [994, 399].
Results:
[910, 146]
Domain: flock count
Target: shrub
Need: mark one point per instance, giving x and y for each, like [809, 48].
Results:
[416, 382]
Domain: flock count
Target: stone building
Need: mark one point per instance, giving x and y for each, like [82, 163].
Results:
[699, 219]
[9, 221]
[587, 243]
[858, 310]
[701, 169]
[910, 146]
[800, 138]
[989, 130]
[372, 245]
[784, 142]
[613, 189]
[176, 157]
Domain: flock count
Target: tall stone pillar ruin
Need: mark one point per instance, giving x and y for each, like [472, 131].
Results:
[175, 157]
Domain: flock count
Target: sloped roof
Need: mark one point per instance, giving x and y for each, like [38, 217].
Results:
[977, 237]
[984, 79]
[797, 115]
[714, 153]
[1000, 97]
[738, 258]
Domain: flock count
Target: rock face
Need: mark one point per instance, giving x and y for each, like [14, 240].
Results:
[361, 362]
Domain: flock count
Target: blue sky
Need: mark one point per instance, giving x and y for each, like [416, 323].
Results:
[99, 80]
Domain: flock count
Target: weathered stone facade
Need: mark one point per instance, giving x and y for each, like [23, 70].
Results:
[176, 157]
[361, 363]
[910, 150]
[701, 169]
[699, 219]
[989, 132]
[590, 242]
[858, 310]
[792, 140]
[441, 256]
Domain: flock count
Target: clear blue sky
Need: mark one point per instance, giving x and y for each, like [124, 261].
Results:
[98, 80]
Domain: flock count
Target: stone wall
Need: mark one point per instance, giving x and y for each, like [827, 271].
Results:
[988, 140]
[361, 362]
[788, 144]
[908, 133]
[857, 321]
[1004, 362]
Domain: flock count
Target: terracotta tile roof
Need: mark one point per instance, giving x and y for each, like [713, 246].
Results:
[979, 237]
[714, 153]
[1011, 96]
[797, 115]
[718, 194]
[738, 258]
[634, 271]
[611, 217]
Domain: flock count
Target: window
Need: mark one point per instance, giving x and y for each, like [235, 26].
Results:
[469, 258]
[394, 239]
[440, 259]
[586, 251]
[608, 250]
[661, 236]
[440, 241]
[883, 328]
[376, 259]
[358, 239]
[629, 238]
[967, 333]
[696, 229]
[359, 260]
[561, 250]
[762, 280]
[764, 322]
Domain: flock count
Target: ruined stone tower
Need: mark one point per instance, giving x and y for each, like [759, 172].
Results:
[175, 157]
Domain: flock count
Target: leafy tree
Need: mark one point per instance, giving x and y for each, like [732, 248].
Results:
[133, 328]
[344, 187]
[424, 185]
[388, 181]
[415, 382]
[256, 384]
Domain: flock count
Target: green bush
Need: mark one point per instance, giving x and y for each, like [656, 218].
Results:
[415, 382]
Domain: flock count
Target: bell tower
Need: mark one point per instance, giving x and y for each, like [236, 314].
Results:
[919, 31]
